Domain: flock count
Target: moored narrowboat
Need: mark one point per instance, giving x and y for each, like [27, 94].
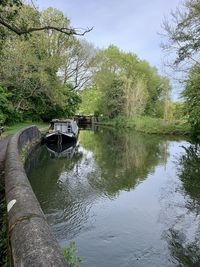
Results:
[62, 131]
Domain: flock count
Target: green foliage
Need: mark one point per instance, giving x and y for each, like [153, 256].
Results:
[12, 129]
[114, 106]
[183, 40]
[154, 85]
[128, 85]
[151, 125]
[3, 104]
[7, 113]
[73, 100]
[70, 255]
[8, 12]
[43, 71]
[179, 111]
[91, 98]
[33, 69]
[183, 32]
[192, 97]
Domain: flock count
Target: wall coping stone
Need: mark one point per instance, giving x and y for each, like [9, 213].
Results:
[31, 238]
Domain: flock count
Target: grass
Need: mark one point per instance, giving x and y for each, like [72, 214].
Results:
[152, 125]
[12, 129]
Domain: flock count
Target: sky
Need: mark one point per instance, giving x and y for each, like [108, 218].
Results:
[131, 25]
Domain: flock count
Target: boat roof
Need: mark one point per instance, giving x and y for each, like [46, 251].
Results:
[61, 120]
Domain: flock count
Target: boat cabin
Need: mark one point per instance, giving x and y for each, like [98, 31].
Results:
[64, 129]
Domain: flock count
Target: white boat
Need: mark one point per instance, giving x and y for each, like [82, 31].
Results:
[62, 131]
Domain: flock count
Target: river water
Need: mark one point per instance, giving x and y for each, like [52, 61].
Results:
[126, 199]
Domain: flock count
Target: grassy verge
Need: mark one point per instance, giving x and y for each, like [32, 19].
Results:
[9, 130]
[151, 125]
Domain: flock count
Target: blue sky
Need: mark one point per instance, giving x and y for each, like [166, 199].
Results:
[132, 25]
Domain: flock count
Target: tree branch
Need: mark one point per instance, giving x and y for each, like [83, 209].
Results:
[64, 30]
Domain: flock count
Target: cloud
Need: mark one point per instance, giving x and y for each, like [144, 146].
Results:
[132, 25]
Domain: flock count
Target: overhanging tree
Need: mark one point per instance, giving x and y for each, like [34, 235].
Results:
[183, 39]
[8, 11]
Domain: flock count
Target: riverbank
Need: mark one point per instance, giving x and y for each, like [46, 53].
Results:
[150, 125]
[12, 129]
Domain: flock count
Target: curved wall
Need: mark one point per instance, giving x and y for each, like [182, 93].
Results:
[31, 239]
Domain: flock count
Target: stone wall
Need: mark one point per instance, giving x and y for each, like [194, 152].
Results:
[31, 239]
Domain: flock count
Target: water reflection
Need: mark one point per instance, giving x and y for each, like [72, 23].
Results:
[183, 234]
[189, 173]
[123, 159]
[62, 150]
[184, 253]
[104, 163]
[126, 199]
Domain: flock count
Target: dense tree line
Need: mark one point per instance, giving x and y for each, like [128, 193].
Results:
[183, 39]
[122, 84]
[44, 68]
[41, 72]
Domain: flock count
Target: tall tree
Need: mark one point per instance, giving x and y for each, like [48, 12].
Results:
[141, 84]
[192, 97]
[183, 39]
[79, 64]
[30, 66]
[183, 33]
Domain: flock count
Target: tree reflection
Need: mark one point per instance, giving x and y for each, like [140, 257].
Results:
[184, 242]
[105, 162]
[184, 253]
[124, 158]
[189, 173]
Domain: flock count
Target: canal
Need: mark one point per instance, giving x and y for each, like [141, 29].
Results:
[125, 198]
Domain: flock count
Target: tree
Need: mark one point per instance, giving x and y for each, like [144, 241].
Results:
[6, 109]
[184, 40]
[178, 110]
[192, 97]
[29, 68]
[136, 95]
[140, 84]
[8, 10]
[115, 94]
[79, 62]
[183, 34]
[91, 97]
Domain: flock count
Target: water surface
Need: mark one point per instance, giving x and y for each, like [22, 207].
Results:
[126, 199]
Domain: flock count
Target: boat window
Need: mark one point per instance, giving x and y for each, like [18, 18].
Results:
[62, 127]
[57, 127]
